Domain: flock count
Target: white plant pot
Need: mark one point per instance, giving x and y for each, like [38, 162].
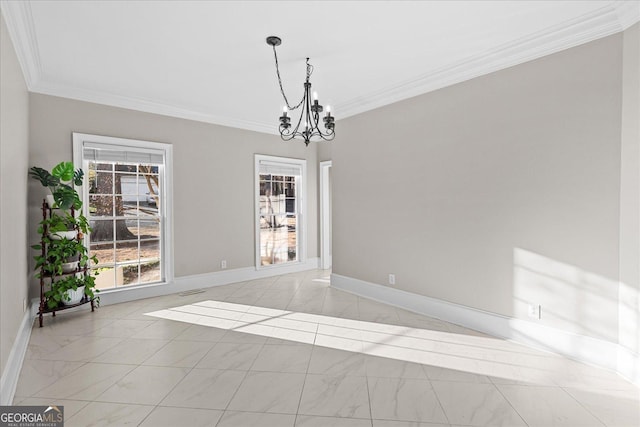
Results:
[74, 297]
[68, 267]
[59, 235]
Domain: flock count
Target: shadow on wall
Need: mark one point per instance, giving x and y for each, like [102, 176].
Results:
[571, 299]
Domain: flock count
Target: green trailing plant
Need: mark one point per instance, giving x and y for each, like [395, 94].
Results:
[58, 293]
[64, 222]
[58, 252]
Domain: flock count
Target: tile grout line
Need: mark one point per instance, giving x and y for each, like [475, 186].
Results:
[509, 402]
[582, 405]
[304, 382]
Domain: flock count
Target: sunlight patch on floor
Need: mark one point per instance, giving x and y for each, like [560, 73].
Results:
[479, 355]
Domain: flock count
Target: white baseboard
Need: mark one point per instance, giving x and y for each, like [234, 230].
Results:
[198, 281]
[9, 379]
[599, 352]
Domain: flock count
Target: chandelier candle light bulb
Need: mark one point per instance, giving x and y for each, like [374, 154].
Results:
[309, 110]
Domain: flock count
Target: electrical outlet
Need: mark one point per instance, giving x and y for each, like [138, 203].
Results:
[392, 279]
[534, 311]
[223, 264]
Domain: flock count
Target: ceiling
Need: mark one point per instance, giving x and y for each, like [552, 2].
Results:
[208, 61]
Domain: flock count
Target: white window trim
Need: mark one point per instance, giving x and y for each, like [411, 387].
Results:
[302, 204]
[167, 207]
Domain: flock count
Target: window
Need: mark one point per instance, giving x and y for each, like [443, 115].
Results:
[126, 199]
[280, 186]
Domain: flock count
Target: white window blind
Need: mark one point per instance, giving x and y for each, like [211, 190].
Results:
[275, 168]
[97, 152]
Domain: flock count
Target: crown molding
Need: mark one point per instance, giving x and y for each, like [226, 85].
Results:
[628, 12]
[608, 20]
[149, 106]
[19, 20]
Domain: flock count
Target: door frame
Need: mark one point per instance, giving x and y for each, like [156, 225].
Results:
[325, 216]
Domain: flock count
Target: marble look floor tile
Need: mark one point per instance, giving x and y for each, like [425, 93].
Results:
[205, 389]
[548, 406]
[162, 330]
[38, 374]
[200, 333]
[268, 392]
[613, 407]
[119, 311]
[390, 318]
[86, 382]
[242, 338]
[311, 421]
[99, 414]
[184, 354]
[41, 345]
[145, 385]
[286, 313]
[328, 361]
[475, 404]
[391, 368]
[131, 351]
[444, 374]
[83, 350]
[71, 324]
[404, 400]
[283, 358]
[175, 417]
[306, 305]
[246, 419]
[121, 328]
[335, 396]
[225, 355]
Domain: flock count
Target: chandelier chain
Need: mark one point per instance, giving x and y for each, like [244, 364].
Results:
[309, 72]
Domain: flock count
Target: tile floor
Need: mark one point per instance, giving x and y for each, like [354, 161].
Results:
[291, 351]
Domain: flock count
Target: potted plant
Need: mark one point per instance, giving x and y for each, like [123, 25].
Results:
[62, 249]
[60, 182]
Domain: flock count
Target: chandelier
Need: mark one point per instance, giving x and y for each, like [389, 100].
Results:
[307, 127]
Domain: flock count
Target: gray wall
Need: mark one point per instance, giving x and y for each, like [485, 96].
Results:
[212, 175]
[493, 193]
[14, 143]
[629, 304]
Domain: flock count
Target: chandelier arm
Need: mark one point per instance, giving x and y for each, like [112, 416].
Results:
[275, 55]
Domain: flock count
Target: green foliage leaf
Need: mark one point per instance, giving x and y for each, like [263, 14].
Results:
[43, 175]
[77, 177]
[66, 197]
[64, 171]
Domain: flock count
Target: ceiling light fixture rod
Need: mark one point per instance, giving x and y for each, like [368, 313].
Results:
[311, 109]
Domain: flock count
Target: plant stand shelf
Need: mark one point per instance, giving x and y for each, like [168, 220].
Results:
[44, 310]
[46, 278]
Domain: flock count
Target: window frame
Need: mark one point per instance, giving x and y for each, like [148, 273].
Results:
[301, 197]
[166, 210]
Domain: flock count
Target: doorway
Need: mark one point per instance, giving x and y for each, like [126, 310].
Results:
[325, 215]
